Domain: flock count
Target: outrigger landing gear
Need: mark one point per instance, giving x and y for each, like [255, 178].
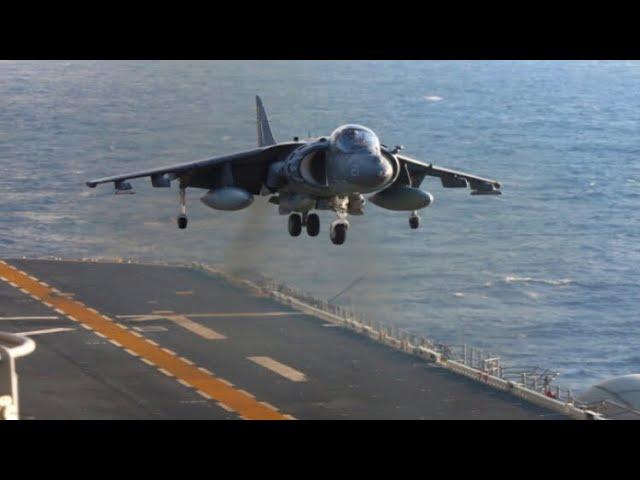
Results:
[295, 225]
[182, 218]
[414, 220]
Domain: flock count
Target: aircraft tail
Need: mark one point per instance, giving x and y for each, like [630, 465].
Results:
[265, 137]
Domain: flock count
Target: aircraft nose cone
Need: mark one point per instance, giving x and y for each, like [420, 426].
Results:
[372, 172]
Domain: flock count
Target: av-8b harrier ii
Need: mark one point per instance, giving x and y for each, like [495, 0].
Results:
[324, 173]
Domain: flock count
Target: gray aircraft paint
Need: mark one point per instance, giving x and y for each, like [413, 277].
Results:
[330, 173]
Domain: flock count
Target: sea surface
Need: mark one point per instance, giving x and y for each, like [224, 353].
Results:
[547, 274]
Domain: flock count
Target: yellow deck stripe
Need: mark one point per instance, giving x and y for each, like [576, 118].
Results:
[239, 402]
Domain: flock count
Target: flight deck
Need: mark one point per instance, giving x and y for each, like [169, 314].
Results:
[134, 341]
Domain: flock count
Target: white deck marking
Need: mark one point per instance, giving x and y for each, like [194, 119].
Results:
[208, 397]
[163, 314]
[280, 368]
[243, 314]
[223, 406]
[48, 330]
[149, 329]
[196, 328]
[30, 318]
[226, 382]
[180, 320]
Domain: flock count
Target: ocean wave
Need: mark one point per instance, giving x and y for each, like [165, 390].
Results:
[514, 279]
[432, 98]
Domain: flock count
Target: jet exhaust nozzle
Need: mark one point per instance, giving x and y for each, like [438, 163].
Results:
[227, 198]
[402, 199]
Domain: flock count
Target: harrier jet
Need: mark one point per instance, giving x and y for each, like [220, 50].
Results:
[324, 173]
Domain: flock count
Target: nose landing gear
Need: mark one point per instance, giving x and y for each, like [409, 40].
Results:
[338, 231]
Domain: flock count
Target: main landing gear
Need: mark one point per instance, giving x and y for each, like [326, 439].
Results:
[182, 218]
[311, 221]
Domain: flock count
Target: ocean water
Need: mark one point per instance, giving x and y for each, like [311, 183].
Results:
[546, 274]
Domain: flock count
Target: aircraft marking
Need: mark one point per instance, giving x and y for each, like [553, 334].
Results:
[241, 404]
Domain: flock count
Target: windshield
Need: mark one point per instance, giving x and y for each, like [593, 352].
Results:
[353, 138]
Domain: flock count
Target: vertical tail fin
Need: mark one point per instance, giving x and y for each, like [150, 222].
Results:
[265, 137]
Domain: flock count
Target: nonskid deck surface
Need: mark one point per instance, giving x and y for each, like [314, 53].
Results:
[129, 341]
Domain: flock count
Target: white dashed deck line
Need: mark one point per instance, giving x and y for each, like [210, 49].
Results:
[182, 382]
[148, 362]
[117, 344]
[280, 368]
[202, 369]
[131, 352]
[224, 407]
[226, 382]
[165, 372]
[170, 352]
[202, 394]
[246, 393]
[187, 361]
[268, 405]
[100, 334]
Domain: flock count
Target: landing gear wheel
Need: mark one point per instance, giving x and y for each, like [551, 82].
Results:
[182, 222]
[313, 224]
[295, 225]
[338, 233]
[414, 222]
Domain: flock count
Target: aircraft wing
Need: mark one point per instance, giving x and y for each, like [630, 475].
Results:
[249, 169]
[412, 172]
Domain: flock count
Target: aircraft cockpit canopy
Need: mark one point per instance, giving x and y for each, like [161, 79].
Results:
[355, 138]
